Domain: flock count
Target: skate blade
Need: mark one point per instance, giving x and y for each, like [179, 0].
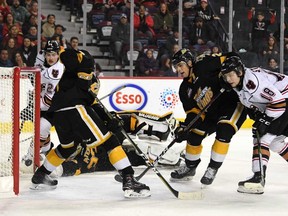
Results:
[42, 187]
[204, 186]
[251, 188]
[132, 194]
[184, 179]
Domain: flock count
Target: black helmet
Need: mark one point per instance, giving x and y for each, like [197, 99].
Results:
[52, 46]
[232, 63]
[183, 55]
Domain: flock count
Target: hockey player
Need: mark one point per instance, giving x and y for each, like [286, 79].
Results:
[76, 121]
[51, 72]
[265, 94]
[225, 115]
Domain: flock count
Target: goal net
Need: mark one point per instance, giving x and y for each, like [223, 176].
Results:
[19, 124]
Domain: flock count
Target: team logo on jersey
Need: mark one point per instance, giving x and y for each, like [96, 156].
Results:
[133, 97]
[55, 73]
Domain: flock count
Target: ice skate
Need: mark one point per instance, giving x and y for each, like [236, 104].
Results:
[133, 188]
[183, 173]
[254, 185]
[209, 176]
[42, 181]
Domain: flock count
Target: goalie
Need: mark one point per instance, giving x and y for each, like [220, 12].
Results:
[151, 132]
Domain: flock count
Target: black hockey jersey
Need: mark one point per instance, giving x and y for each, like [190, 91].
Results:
[73, 88]
[197, 90]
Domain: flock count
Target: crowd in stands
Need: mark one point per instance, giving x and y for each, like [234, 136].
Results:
[156, 33]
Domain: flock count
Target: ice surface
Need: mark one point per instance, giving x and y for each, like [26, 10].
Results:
[98, 193]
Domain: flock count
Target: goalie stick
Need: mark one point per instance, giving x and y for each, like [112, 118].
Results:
[180, 195]
[118, 178]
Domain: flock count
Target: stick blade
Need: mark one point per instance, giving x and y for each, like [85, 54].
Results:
[195, 195]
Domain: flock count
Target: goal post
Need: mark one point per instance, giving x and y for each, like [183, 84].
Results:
[19, 124]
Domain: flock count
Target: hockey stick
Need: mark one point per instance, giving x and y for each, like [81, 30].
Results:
[181, 195]
[188, 127]
[111, 93]
[261, 166]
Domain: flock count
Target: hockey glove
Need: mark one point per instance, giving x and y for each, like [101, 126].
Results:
[115, 124]
[261, 124]
[224, 84]
[180, 133]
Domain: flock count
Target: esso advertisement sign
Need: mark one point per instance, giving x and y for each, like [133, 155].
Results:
[133, 97]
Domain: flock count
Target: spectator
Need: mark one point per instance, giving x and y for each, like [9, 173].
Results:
[4, 8]
[143, 23]
[14, 33]
[31, 21]
[273, 65]
[216, 50]
[48, 28]
[120, 39]
[74, 41]
[59, 29]
[259, 28]
[27, 4]
[29, 52]
[148, 65]
[109, 9]
[18, 60]
[4, 60]
[34, 10]
[204, 11]
[163, 21]
[19, 12]
[188, 5]
[9, 22]
[11, 48]
[270, 50]
[33, 35]
[167, 49]
[277, 33]
[165, 68]
[1, 27]
[200, 36]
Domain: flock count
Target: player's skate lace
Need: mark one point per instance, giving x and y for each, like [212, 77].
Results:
[209, 176]
[183, 172]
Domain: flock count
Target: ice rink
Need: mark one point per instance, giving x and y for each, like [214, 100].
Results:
[99, 194]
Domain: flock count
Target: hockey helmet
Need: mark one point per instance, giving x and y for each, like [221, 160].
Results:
[52, 46]
[233, 63]
[183, 55]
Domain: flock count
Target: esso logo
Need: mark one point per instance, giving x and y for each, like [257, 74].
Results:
[133, 97]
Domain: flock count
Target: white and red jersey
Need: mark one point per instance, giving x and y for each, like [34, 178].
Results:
[265, 91]
[50, 77]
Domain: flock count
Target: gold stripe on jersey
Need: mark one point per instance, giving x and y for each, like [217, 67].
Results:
[220, 147]
[85, 76]
[196, 111]
[116, 154]
[100, 137]
[80, 56]
[193, 150]
[197, 131]
[222, 59]
[235, 117]
[54, 159]
[66, 146]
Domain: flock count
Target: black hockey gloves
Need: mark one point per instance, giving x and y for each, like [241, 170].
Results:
[115, 124]
[180, 133]
[261, 124]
